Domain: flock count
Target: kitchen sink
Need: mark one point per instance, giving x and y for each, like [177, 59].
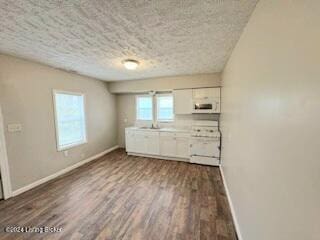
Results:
[151, 128]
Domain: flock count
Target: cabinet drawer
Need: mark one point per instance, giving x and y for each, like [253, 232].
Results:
[167, 134]
[147, 133]
[152, 133]
[183, 135]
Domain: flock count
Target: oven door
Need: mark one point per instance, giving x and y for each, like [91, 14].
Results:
[205, 147]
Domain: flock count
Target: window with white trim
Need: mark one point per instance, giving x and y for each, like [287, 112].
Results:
[165, 107]
[69, 119]
[144, 104]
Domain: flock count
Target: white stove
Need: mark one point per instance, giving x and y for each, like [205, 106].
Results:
[205, 143]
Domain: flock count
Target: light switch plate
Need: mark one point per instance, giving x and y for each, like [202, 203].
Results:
[14, 127]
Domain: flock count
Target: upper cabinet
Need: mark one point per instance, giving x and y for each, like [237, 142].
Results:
[199, 100]
[182, 101]
[204, 93]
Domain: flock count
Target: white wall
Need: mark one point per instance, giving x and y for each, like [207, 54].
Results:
[126, 115]
[270, 122]
[166, 83]
[26, 98]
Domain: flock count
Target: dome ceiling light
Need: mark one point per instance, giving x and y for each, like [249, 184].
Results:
[130, 64]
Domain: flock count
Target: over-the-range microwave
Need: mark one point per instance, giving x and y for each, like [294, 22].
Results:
[206, 105]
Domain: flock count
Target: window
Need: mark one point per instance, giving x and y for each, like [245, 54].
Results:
[144, 108]
[165, 107]
[69, 119]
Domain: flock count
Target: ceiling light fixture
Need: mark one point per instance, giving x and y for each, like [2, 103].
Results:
[130, 64]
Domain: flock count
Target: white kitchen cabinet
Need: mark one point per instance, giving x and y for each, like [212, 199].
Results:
[168, 146]
[130, 141]
[206, 93]
[174, 145]
[142, 142]
[182, 101]
[182, 147]
[152, 143]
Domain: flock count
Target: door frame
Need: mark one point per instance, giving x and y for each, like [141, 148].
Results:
[4, 165]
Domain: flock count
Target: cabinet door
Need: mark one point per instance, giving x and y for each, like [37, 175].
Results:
[130, 141]
[141, 142]
[168, 146]
[206, 93]
[153, 144]
[183, 147]
[182, 101]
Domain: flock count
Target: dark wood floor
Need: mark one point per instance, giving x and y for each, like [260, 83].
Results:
[125, 197]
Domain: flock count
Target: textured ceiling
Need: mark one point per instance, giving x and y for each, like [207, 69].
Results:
[92, 37]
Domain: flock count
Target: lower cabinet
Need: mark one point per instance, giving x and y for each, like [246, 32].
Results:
[152, 144]
[142, 142]
[174, 145]
[130, 141]
[183, 147]
[167, 144]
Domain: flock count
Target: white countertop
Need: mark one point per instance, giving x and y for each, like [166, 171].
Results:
[160, 129]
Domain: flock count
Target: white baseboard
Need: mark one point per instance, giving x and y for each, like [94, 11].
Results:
[61, 172]
[233, 213]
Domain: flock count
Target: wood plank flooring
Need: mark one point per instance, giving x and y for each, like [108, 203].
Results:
[125, 197]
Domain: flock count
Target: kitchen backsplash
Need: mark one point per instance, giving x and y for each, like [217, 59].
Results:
[181, 121]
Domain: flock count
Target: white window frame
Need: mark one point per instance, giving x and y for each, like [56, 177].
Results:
[157, 111]
[72, 145]
[137, 110]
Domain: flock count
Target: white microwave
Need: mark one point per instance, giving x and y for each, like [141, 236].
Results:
[206, 105]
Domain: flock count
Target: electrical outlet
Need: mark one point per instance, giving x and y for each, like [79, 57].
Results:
[66, 153]
[82, 155]
[14, 127]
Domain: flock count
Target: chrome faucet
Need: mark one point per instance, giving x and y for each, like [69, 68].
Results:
[154, 126]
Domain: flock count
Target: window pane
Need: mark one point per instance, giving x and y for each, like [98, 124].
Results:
[144, 108]
[165, 107]
[70, 119]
